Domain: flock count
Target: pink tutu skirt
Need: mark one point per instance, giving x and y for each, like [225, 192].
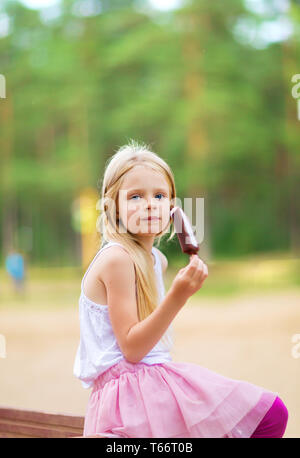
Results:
[173, 399]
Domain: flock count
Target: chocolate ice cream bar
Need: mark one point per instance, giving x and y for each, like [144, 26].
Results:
[184, 231]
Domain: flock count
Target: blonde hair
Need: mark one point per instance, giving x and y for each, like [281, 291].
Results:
[125, 158]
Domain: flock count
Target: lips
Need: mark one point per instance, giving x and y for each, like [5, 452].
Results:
[151, 218]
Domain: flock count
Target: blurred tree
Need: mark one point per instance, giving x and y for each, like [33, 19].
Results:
[85, 80]
[288, 157]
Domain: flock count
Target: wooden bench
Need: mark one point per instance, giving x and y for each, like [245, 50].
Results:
[29, 423]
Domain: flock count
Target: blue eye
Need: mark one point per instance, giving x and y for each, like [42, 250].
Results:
[136, 195]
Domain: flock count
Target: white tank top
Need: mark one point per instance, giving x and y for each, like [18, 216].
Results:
[98, 348]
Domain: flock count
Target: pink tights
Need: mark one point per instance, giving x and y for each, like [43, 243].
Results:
[274, 422]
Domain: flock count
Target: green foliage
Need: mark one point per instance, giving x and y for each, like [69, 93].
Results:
[215, 107]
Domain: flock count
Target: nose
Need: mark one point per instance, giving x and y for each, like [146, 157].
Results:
[151, 202]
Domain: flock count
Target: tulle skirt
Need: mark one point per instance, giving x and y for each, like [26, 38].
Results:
[173, 399]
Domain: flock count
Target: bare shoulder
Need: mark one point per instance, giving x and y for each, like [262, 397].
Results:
[163, 259]
[114, 259]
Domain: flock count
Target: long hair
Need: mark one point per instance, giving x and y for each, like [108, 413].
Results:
[124, 159]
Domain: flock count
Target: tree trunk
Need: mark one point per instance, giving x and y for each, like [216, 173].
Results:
[197, 145]
[9, 219]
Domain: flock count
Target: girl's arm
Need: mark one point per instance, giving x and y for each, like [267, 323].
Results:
[135, 338]
[144, 335]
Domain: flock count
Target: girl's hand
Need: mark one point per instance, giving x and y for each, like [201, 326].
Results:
[190, 279]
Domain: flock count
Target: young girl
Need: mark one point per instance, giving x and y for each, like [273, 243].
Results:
[125, 324]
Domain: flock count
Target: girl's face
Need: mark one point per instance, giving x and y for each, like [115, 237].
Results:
[144, 192]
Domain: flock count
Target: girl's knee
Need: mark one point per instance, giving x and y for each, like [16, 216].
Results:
[280, 416]
[277, 418]
[274, 422]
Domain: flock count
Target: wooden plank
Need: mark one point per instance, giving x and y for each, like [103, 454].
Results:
[18, 429]
[89, 437]
[57, 419]
[12, 435]
[31, 423]
[66, 429]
